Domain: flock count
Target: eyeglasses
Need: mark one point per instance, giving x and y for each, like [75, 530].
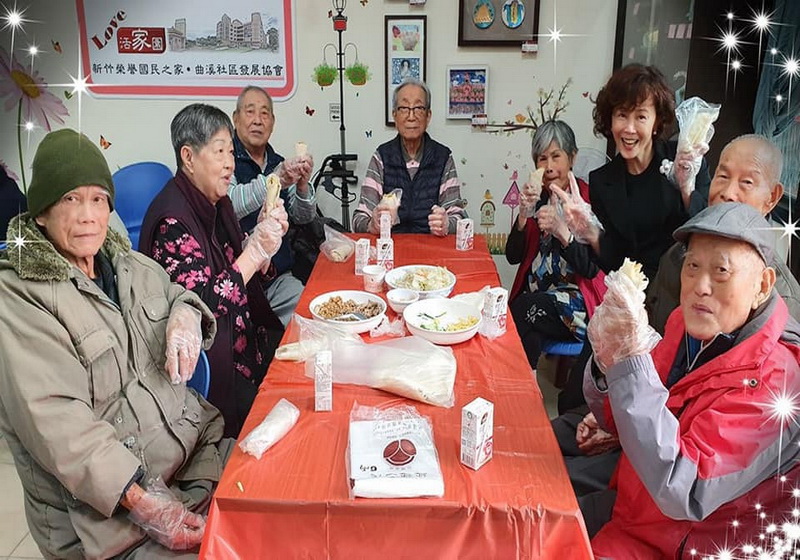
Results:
[406, 111]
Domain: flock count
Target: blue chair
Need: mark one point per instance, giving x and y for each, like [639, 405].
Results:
[201, 378]
[136, 186]
[565, 353]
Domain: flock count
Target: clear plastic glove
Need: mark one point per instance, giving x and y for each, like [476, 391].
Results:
[264, 242]
[184, 339]
[528, 198]
[551, 220]
[578, 214]
[438, 221]
[295, 170]
[619, 327]
[686, 167]
[592, 439]
[278, 212]
[165, 519]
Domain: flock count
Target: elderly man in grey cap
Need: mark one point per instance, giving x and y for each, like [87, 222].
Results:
[696, 416]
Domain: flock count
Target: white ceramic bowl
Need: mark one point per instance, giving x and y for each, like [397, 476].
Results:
[447, 311]
[361, 326]
[395, 279]
[400, 298]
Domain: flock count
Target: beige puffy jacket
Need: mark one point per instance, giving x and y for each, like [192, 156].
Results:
[84, 399]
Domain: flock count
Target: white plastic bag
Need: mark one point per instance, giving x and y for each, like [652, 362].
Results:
[337, 247]
[314, 336]
[619, 327]
[410, 367]
[391, 454]
[277, 424]
[395, 327]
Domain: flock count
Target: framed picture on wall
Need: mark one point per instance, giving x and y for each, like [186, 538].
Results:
[467, 88]
[405, 49]
[497, 22]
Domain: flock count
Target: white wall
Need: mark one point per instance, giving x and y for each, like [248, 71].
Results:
[139, 129]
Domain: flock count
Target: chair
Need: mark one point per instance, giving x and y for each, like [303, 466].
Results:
[136, 186]
[565, 353]
[201, 378]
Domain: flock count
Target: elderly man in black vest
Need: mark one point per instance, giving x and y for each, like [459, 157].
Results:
[417, 164]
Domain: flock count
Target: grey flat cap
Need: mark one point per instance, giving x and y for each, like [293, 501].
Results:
[734, 220]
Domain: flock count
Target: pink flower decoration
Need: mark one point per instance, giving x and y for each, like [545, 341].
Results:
[20, 85]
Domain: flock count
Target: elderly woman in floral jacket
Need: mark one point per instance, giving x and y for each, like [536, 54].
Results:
[192, 231]
[95, 347]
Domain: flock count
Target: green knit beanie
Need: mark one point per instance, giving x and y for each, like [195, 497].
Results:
[64, 161]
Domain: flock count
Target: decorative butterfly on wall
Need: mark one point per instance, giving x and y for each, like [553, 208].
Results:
[56, 46]
[105, 144]
[364, 2]
[368, 133]
[310, 111]
[68, 94]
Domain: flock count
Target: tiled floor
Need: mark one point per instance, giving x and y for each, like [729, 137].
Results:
[15, 540]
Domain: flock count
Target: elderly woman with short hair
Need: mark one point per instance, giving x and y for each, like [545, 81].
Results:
[552, 291]
[191, 230]
[95, 345]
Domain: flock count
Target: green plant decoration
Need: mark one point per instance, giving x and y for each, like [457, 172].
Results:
[325, 74]
[357, 73]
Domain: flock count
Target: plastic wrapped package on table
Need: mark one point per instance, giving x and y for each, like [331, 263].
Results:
[295, 501]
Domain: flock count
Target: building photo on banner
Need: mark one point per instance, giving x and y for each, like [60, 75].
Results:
[406, 42]
[202, 47]
[467, 89]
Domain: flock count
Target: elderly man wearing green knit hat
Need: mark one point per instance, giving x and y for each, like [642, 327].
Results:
[116, 456]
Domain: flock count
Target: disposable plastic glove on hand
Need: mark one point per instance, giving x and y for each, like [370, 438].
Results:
[619, 327]
[578, 214]
[165, 519]
[184, 340]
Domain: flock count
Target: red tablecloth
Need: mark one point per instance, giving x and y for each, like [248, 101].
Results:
[294, 502]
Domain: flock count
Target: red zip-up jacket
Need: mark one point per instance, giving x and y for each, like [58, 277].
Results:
[702, 454]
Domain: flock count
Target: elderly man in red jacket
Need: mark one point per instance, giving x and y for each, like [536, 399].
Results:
[697, 417]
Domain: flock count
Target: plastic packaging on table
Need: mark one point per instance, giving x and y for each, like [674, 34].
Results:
[337, 247]
[619, 327]
[387, 327]
[392, 454]
[277, 424]
[314, 336]
[410, 367]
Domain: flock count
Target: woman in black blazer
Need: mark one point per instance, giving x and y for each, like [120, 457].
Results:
[638, 205]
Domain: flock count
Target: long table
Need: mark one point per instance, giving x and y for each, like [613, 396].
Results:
[294, 501]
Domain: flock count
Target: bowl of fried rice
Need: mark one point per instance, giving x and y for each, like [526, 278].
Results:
[427, 281]
[351, 310]
[442, 321]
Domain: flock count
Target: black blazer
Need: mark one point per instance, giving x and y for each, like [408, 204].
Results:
[611, 205]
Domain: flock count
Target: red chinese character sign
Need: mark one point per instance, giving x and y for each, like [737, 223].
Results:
[200, 48]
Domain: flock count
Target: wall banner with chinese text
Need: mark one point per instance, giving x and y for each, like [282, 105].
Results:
[186, 48]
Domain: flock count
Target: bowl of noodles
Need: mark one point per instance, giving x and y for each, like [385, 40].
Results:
[442, 321]
[427, 281]
[351, 310]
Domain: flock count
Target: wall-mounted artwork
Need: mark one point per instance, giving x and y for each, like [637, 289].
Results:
[405, 54]
[497, 22]
[467, 88]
